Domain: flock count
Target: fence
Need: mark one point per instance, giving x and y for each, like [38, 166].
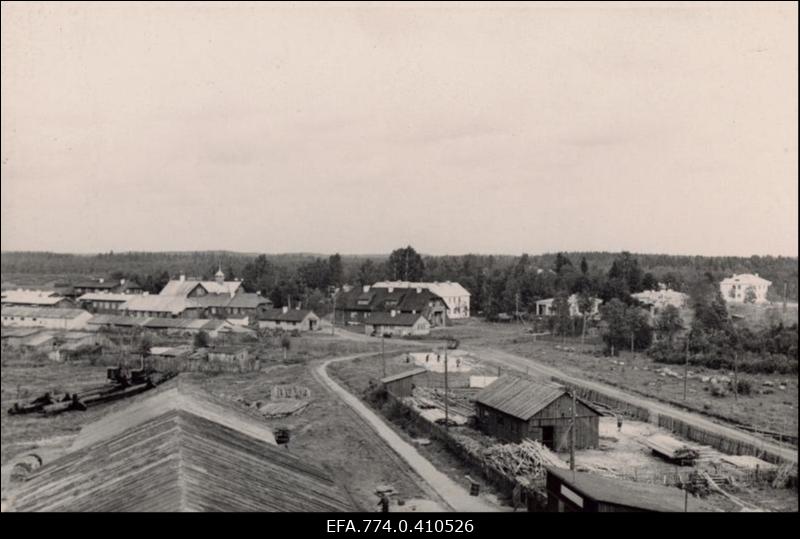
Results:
[534, 492]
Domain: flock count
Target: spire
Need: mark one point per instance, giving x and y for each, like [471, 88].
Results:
[219, 277]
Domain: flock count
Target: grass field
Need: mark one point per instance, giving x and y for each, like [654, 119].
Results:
[774, 410]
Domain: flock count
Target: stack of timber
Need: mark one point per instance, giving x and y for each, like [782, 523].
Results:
[671, 449]
[526, 460]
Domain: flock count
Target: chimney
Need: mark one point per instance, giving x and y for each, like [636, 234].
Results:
[365, 288]
[285, 309]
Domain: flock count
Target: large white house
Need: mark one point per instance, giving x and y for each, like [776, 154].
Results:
[455, 296]
[745, 288]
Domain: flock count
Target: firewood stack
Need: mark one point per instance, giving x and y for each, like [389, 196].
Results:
[527, 459]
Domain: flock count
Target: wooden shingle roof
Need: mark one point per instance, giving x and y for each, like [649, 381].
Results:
[519, 397]
[179, 451]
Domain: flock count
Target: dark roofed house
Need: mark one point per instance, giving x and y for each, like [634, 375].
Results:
[113, 286]
[289, 319]
[356, 305]
[241, 305]
[569, 491]
[179, 449]
[514, 408]
[396, 323]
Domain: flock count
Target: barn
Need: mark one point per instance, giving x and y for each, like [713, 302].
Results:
[513, 408]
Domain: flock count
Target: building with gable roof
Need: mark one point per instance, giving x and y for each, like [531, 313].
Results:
[744, 288]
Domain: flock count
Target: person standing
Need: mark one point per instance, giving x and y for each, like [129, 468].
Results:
[619, 423]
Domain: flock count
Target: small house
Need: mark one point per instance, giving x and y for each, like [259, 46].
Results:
[288, 319]
[514, 408]
[394, 323]
[402, 384]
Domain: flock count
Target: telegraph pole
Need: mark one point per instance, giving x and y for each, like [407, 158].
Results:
[446, 407]
[572, 433]
[333, 316]
[686, 367]
[784, 298]
[383, 356]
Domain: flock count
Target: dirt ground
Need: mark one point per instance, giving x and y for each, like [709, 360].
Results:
[622, 452]
[327, 430]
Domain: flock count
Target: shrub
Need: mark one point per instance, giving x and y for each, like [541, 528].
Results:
[744, 387]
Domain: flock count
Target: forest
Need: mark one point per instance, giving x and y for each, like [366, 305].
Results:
[498, 284]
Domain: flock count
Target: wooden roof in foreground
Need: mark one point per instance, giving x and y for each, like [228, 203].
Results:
[190, 455]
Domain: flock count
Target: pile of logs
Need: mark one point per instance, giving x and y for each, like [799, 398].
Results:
[527, 459]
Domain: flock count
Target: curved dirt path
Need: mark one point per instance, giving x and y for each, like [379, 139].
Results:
[658, 408]
[452, 493]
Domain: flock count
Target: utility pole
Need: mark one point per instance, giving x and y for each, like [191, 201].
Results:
[383, 356]
[686, 367]
[736, 376]
[516, 307]
[333, 316]
[446, 406]
[572, 433]
[784, 298]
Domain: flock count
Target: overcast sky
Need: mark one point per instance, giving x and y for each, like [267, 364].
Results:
[484, 128]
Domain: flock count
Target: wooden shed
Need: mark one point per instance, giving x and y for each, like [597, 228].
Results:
[513, 408]
[569, 491]
[402, 384]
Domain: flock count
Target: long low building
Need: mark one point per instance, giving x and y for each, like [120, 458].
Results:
[570, 491]
[35, 298]
[45, 317]
[169, 325]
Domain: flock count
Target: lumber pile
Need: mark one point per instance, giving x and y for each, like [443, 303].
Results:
[527, 459]
[671, 449]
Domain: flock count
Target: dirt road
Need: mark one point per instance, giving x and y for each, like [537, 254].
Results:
[454, 495]
[656, 408]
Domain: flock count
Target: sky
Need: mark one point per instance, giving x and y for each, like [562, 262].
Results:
[454, 128]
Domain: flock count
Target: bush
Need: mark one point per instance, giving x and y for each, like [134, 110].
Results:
[744, 387]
